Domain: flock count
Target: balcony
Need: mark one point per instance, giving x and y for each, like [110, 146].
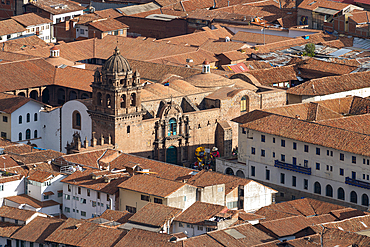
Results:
[291, 167]
[357, 183]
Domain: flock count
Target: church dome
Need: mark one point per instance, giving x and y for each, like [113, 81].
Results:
[116, 63]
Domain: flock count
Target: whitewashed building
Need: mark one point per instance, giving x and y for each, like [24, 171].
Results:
[37, 25]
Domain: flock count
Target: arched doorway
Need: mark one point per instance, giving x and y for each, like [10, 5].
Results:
[34, 95]
[341, 193]
[171, 155]
[317, 188]
[329, 190]
[353, 197]
[45, 96]
[240, 174]
[229, 171]
[364, 200]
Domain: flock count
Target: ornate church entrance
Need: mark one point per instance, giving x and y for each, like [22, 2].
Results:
[171, 155]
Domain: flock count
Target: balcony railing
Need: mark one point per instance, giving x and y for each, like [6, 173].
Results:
[294, 168]
[357, 183]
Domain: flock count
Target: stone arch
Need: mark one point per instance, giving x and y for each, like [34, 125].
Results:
[133, 99]
[240, 174]
[317, 188]
[45, 96]
[244, 104]
[22, 94]
[84, 96]
[341, 194]
[329, 190]
[76, 120]
[353, 197]
[99, 98]
[172, 127]
[28, 134]
[108, 101]
[365, 200]
[123, 101]
[229, 171]
[72, 95]
[61, 96]
[34, 95]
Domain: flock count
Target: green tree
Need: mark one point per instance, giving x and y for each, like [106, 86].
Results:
[309, 50]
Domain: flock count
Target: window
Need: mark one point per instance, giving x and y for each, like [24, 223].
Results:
[341, 171]
[93, 204]
[294, 181]
[283, 143]
[1, 187]
[353, 197]
[57, 20]
[317, 188]
[28, 134]
[353, 159]
[82, 31]
[158, 200]
[88, 192]
[364, 200]
[263, 153]
[305, 184]
[327, 152]
[353, 175]
[35, 117]
[200, 228]
[305, 163]
[273, 154]
[283, 157]
[317, 151]
[341, 194]
[317, 166]
[79, 190]
[244, 130]
[5, 119]
[98, 195]
[35, 134]
[294, 159]
[83, 213]
[273, 140]
[3, 135]
[184, 198]
[60, 194]
[282, 178]
[243, 104]
[28, 117]
[306, 148]
[253, 150]
[172, 127]
[267, 174]
[329, 190]
[294, 145]
[69, 188]
[145, 198]
[263, 138]
[180, 224]
[68, 197]
[253, 171]
[20, 119]
[76, 120]
[46, 197]
[327, 167]
[331, 153]
[67, 209]
[131, 209]
[341, 156]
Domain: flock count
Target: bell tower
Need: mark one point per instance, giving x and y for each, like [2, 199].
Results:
[116, 99]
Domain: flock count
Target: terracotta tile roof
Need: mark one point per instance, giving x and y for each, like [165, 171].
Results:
[220, 46]
[9, 103]
[41, 176]
[28, 42]
[5, 143]
[258, 38]
[210, 15]
[25, 199]
[198, 38]
[155, 214]
[351, 123]
[108, 25]
[346, 213]
[274, 75]
[108, 13]
[38, 229]
[199, 212]
[355, 224]
[235, 55]
[7, 162]
[71, 232]
[291, 225]
[304, 207]
[151, 185]
[139, 238]
[249, 235]
[16, 213]
[85, 179]
[36, 157]
[102, 236]
[332, 84]
[117, 216]
[10, 26]
[312, 5]
[74, 78]
[8, 229]
[208, 178]
[242, 215]
[19, 148]
[360, 17]
[308, 132]
[61, 6]
[31, 19]
[10, 178]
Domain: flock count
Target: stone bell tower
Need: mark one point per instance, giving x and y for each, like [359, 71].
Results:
[116, 100]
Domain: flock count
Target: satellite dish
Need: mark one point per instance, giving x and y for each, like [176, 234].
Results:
[227, 39]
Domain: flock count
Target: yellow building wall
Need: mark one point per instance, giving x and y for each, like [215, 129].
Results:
[5, 126]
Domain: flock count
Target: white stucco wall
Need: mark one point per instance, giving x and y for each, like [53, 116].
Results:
[50, 129]
[67, 130]
[12, 188]
[64, 15]
[362, 92]
[36, 191]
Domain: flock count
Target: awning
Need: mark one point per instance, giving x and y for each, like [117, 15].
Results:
[48, 193]
[326, 11]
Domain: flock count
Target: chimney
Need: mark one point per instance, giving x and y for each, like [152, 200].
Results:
[93, 140]
[101, 139]
[109, 139]
[86, 142]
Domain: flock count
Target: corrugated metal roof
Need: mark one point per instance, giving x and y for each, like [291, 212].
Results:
[326, 11]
